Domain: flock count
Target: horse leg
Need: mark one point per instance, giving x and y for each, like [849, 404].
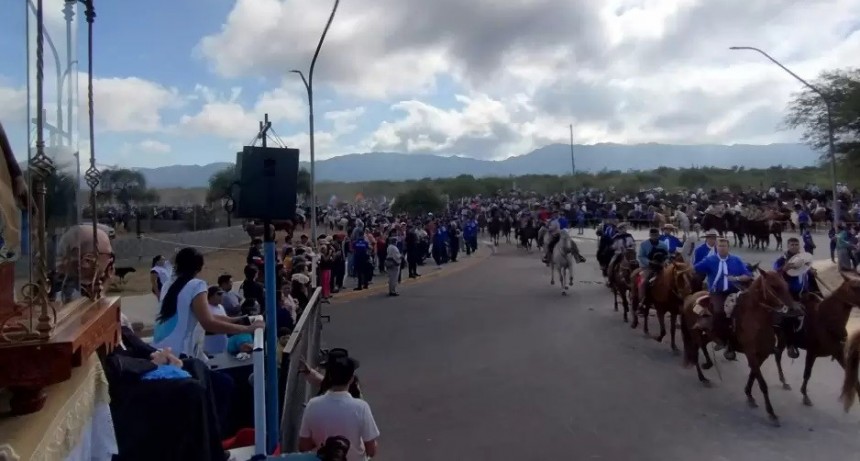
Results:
[551, 272]
[807, 373]
[661, 320]
[777, 357]
[673, 325]
[762, 385]
[748, 390]
[709, 363]
[569, 271]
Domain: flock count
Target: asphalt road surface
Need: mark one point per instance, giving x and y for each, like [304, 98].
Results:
[492, 363]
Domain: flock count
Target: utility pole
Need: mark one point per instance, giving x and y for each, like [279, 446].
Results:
[269, 258]
[572, 161]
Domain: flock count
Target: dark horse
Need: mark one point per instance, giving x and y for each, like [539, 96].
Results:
[823, 330]
[495, 228]
[754, 334]
[620, 279]
[671, 286]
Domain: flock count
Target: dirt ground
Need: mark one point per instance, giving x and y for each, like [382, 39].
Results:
[215, 263]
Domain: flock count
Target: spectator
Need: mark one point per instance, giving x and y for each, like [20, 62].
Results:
[215, 343]
[392, 260]
[184, 307]
[231, 301]
[337, 413]
[159, 275]
[251, 288]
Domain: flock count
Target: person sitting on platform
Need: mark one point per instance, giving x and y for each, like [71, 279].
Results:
[723, 271]
[157, 396]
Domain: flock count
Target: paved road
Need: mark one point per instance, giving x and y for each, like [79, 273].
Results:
[494, 364]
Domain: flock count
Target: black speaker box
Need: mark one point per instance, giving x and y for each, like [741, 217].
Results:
[267, 183]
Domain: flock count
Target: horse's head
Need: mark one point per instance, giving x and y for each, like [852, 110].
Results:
[775, 294]
[849, 290]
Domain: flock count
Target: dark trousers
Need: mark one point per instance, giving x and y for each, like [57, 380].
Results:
[412, 257]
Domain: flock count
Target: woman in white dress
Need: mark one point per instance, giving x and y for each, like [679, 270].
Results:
[184, 306]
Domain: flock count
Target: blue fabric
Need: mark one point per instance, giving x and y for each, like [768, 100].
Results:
[301, 457]
[237, 340]
[711, 265]
[808, 243]
[360, 247]
[166, 372]
[164, 329]
[795, 284]
[672, 242]
[803, 217]
[645, 251]
[562, 223]
[701, 253]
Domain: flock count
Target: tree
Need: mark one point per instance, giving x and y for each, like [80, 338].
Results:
[808, 111]
[303, 184]
[221, 184]
[125, 187]
[419, 201]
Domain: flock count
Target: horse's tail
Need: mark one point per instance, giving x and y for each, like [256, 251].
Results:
[852, 366]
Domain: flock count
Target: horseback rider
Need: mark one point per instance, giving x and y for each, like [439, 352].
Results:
[723, 270]
[798, 285]
[709, 248]
[652, 256]
[672, 243]
[554, 230]
[621, 242]
[605, 234]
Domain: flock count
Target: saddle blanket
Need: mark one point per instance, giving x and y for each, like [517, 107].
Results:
[700, 309]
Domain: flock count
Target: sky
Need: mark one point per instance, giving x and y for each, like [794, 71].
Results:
[186, 81]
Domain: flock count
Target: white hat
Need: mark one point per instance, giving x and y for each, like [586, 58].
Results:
[712, 233]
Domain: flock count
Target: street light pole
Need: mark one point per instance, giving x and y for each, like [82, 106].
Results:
[309, 87]
[828, 104]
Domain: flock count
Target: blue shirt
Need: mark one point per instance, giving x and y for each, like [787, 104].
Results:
[803, 217]
[795, 284]
[710, 266]
[645, 249]
[470, 229]
[808, 243]
[702, 252]
[562, 223]
[360, 247]
[672, 242]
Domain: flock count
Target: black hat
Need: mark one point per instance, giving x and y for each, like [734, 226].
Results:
[653, 230]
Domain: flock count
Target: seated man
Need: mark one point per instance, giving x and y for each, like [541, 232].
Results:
[652, 256]
[723, 270]
[621, 242]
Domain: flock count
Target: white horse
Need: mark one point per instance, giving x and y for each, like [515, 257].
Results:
[564, 254]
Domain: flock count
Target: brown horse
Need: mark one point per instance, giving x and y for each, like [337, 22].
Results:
[672, 285]
[619, 279]
[754, 336]
[823, 330]
[852, 366]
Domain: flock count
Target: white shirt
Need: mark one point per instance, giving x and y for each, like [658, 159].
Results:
[181, 332]
[339, 413]
[216, 343]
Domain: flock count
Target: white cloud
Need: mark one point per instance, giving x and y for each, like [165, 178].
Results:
[225, 116]
[155, 147]
[13, 103]
[344, 121]
[619, 70]
[127, 104]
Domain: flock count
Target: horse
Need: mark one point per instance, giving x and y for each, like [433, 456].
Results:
[619, 280]
[822, 333]
[495, 228]
[671, 286]
[527, 234]
[507, 224]
[754, 332]
[561, 262]
[852, 366]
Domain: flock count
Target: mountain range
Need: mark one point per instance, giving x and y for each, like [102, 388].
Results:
[550, 159]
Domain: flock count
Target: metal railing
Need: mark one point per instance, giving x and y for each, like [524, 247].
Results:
[303, 346]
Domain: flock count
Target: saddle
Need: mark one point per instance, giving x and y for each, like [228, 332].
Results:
[703, 306]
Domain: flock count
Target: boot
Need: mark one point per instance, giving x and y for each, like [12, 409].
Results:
[730, 354]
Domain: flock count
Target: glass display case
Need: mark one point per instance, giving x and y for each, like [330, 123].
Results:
[53, 263]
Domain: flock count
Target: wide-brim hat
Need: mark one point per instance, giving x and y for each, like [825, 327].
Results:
[711, 233]
[799, 264]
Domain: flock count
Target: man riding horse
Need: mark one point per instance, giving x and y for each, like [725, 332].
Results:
[653, 254]
[621, 242]
[790, 265]
[554, 228]
[723, 271]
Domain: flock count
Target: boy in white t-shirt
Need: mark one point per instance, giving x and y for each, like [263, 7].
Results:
[337, 413]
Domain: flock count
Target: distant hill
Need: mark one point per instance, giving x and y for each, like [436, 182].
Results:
[551, 159]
